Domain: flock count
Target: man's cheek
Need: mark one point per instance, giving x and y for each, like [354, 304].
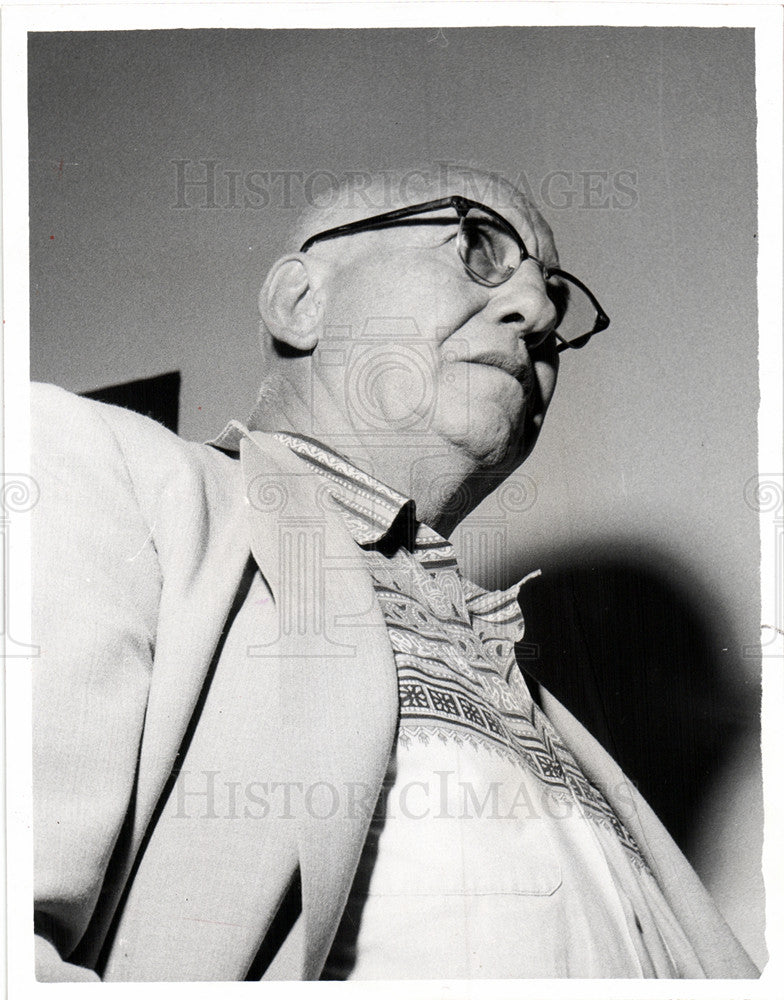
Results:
[546, 376]
[406, 395]
[457, 391]
[393, 385]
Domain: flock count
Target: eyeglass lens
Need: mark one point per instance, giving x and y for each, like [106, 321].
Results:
[488, 251]
[492, 255]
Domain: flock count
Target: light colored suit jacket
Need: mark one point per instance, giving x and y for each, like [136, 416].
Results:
[208, 623]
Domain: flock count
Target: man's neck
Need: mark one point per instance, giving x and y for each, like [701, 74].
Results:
[438, 477]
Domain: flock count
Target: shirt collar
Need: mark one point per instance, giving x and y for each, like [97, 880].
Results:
[371, 509]
[230, 437]
[496, 611]
[369, 506]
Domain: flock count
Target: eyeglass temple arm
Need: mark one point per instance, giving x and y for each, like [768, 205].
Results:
[376, 221]
[601, 322]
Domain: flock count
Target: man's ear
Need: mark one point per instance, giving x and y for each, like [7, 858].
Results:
[290, 303]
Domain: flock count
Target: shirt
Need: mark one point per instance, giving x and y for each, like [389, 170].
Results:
[486, 828]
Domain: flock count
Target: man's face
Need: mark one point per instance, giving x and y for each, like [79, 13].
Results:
[416, 346]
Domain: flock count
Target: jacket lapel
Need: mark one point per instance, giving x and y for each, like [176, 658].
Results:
[337, 676]
[195, 604]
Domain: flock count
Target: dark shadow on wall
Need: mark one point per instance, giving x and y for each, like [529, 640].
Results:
[157, 397]
[645, 661]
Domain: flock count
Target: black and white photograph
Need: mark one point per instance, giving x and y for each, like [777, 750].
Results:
[400, 532]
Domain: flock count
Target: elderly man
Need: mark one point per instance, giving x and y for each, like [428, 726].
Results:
[278, 734]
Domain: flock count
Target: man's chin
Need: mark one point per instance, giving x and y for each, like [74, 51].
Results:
[500, 444]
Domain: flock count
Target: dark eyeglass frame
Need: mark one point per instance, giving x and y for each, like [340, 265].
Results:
[462, 206]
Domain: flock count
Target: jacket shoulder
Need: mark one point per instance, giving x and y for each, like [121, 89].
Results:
[79, 434]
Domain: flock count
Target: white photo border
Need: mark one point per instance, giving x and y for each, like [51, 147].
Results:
[17, 21]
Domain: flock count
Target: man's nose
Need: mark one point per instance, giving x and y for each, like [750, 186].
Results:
[523, 300]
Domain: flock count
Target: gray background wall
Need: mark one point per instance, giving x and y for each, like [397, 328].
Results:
[638, 145]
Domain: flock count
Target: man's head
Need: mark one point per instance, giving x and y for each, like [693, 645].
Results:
[385, 334]
[399, 336]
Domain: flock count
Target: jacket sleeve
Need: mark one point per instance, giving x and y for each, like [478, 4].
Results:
[96, 589]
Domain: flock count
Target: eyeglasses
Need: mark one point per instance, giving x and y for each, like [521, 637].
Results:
[491, 250]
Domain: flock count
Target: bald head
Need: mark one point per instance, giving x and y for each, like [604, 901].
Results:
[360, 195]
